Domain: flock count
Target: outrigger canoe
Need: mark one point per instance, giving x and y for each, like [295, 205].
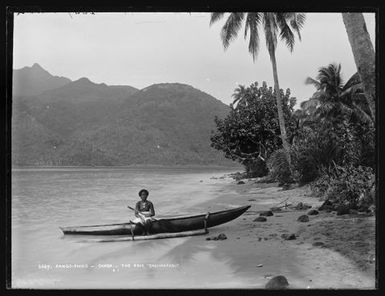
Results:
[169, 225]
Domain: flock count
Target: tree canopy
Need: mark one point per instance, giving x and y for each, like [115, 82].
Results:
[251, 132]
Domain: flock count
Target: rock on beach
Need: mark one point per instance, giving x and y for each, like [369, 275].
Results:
[287, 236]
[313, 212]
[302, 206]
[303, 218]
[260, 219]
[277, 283]
[266, 213]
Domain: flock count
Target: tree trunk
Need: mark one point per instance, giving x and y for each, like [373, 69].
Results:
[363, 53]
[281, 118]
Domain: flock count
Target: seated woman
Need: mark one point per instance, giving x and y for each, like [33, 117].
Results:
[144, 211]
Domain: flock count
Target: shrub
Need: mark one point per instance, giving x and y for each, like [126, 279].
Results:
[347, 186]
[255, 168]
[305, 167]
[279, 167]
[320, 185]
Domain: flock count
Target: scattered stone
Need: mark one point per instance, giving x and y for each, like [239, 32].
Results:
[269, 275]
[266, 213]
[302, 206]
[303, 218]
[287, 236]
[260, 219]
[251, 199]
[275, 209]
[342, 210]
[240, 182]
[259, 239]
[278, 216]
[277, 283]
[221, 236]
[326, 206]
[286, 186]
[260, 265]
[318, 244]
[201, 181]
[313, 212]
[265, 238]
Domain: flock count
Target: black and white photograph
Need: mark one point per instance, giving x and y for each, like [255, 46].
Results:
[193, 150]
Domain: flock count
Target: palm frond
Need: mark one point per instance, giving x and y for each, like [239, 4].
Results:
[231, 28]
[252, 22]
[285, 32]
[354, 80]
[364, 116]
[288, 36]
[314, 82]
[330, 79]
[297, 22]
[270, 27]
[352, 90]
[216, 16]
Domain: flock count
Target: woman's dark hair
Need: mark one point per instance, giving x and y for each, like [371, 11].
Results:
[143, 190]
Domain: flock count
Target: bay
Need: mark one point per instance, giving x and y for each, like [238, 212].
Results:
[45, 198]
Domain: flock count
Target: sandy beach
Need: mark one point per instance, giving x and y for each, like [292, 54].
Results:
[329, 251]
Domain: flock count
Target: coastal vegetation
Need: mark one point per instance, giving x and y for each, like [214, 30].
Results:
[273, 25]
[251, 131]
[329, 142]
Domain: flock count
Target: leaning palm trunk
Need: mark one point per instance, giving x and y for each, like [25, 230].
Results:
[363, 53]
[281, 118]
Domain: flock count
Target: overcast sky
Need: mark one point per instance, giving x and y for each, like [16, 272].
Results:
[140, 49]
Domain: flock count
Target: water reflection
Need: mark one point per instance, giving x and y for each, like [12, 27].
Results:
[43, 200]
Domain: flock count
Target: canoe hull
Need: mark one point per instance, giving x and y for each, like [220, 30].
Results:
[171, 225]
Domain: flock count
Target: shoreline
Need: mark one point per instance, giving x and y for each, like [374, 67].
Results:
[134, 166]
[329, 251]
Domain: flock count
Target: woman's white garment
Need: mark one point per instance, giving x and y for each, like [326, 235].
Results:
[140, 220]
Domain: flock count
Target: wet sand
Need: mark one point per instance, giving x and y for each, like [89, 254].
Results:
[329, 252]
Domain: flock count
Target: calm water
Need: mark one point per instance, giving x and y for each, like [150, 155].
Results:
[44, 199]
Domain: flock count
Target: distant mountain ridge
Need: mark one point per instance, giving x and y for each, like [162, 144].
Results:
[84, 123]
[30, 81]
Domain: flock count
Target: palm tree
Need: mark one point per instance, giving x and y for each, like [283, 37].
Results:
[329, 81]
[363, 53]
[239, 95]
[272, 24]
[332, 95]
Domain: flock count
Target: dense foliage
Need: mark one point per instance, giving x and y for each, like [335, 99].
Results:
[347, 186]
[334, 144]
[332, 138]
[251, 133]
[333, 127]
